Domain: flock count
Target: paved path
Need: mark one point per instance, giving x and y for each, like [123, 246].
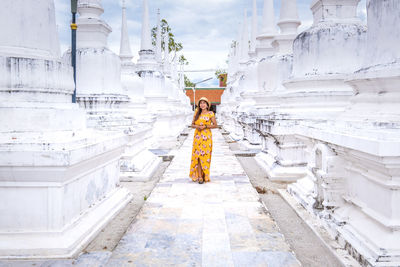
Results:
[221, 223]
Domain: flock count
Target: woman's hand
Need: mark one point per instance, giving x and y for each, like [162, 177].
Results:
[201, 127]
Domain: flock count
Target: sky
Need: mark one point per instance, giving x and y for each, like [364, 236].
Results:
[206, 28]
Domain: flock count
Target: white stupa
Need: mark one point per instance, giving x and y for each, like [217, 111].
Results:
[137, 163]
[59, 181]
[244, 53]
[288, 24]
[147, 56]
[159, 39]
[254, 31]
[268, 31]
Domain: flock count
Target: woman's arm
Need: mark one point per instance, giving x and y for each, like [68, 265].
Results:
[198, 127]
[214, 123]
[194, 126]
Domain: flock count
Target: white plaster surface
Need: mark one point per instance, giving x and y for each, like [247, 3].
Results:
[59, 181]
[328, 120]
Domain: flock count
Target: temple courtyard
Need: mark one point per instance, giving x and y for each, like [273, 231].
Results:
[222, 223]
[96, 142]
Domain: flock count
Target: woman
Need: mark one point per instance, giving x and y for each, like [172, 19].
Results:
[203, 122]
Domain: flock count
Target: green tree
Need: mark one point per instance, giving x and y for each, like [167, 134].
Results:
[183, 60]
[173, 46]
[188, 83]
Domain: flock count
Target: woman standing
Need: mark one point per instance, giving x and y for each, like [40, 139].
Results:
[203, 122]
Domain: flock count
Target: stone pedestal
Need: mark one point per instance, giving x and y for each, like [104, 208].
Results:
[358, 198]
[59, 181]
[137, 163]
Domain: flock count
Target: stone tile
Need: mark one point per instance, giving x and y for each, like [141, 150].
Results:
[215, 226]
[265, 225]
[188, 244]
[39, 263]
[257, 213]
[192, 212]
[270, 259]
[213, 242]
[141, 225]
[221, 223]
[132, 243]
[238, 224]
[217, 259]
[272, 242]
[244, 242]
[169, 213]
[128, 260]
[160, 241]
[213, 211]
[93, 259]
[191, 227]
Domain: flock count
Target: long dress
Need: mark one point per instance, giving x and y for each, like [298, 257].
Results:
[202, 147]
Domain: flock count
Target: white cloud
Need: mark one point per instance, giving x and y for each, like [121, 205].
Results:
[206, 28]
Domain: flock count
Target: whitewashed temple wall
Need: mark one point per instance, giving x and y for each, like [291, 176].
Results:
[328, 121]
[59, 181]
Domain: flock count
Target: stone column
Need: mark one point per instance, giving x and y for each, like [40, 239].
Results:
[364, 136]
[125, 52]
[244, 56]
[132, 84]
[254, 31]
[167, 65]
[372, 123]
[268, 31]
[137, 163]
[157, 89]
[158, 39]
[147, 61]
[288, 24]
[98, 82]
[59, 181]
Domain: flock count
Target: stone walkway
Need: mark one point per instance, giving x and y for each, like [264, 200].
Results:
[221, 223]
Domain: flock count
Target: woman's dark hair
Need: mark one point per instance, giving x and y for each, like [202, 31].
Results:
[196, 117]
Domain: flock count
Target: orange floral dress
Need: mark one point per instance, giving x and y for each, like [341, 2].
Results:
[202, 147]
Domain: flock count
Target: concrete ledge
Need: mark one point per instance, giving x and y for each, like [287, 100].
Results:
[69, 242]
[145, 175]
[312, 222]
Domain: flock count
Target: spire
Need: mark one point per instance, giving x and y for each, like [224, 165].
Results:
[237, 47]
[268, 22]
[289, 18]
[146, 61]
[264, 47]
[167, 69]
[158, 40]
[245, 40]
[181, 77]
[254, 30]
[146, 38]
[288, 24]
[92, 30]
[175, 68]
[125, 52]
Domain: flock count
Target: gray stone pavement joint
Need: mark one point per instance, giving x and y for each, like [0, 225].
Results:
[221, 223]
[182, 223]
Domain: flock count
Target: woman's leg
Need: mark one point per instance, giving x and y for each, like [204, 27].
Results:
[199, 172]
